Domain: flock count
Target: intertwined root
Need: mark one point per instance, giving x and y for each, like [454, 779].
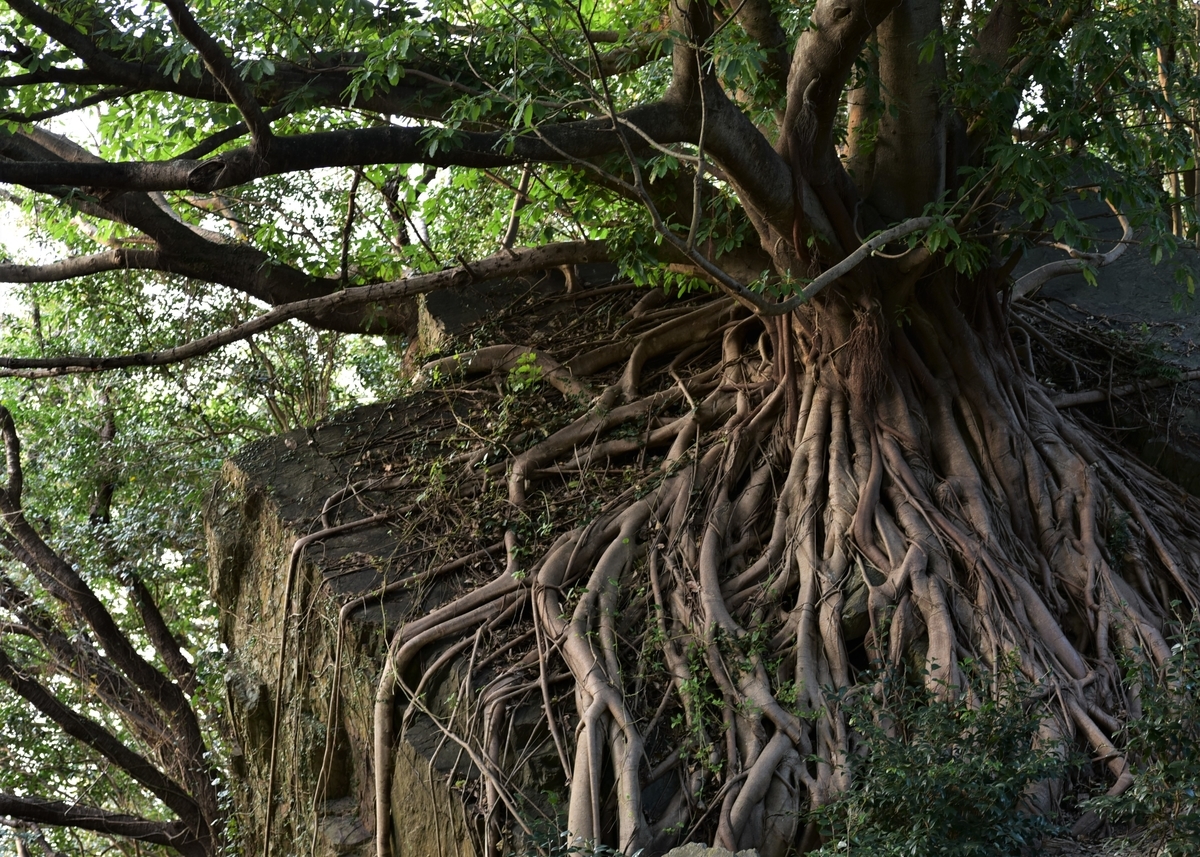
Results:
[828, 494]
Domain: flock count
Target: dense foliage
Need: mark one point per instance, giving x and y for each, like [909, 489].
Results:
[941, 778]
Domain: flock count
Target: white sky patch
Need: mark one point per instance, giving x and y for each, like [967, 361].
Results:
[16, 242]
[19, 241]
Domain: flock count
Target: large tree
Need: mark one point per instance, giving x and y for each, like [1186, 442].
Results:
[850, 182]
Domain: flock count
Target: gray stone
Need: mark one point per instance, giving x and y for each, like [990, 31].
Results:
[698, 849]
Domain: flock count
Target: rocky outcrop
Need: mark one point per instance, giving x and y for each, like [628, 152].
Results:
[308, 595]
[282, 604]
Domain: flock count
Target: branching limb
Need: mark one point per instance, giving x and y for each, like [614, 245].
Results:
[761, 23]
[222, 69]
[759, 304]
[93, 735]
[502, 264]
[61, 814]
[161, 637]
[359, 147]
[81, 266]
[64, 582]
[1079, 261]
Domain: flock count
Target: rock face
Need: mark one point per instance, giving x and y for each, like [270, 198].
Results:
[308, 599]
[280, 602]
[297, 582]
[1150, 305]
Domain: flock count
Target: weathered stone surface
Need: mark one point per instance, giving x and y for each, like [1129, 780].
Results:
[1149, 304]
[265, 501]
[275, 613]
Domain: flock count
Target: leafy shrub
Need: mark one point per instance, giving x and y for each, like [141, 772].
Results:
[940, 778]
[551, 842]
[1163, 746]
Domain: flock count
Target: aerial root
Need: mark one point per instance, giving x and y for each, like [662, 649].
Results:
[796, 532]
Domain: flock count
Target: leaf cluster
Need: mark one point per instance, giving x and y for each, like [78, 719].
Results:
[1162, 746]
[937, 776]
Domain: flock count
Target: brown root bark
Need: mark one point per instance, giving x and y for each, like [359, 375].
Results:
[808, 498]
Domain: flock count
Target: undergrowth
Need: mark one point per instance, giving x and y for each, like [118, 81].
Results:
[1163, 746]
[940, 777]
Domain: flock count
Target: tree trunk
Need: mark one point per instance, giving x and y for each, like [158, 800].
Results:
[869, 480]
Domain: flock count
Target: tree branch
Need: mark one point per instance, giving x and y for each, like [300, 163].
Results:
[110, 69]
[354, 147]
[14, 479]
[95, 98]
[62, 580]
[1008, 23]
[61, 814]
[821, 64]
[74, 76]
[81, 266]
[1091, 397]
[160, 635]
[1079, 261]
[192, 252]
[228, 135]
[503, 264]
[759, 304]
[94, 735]
[520, 198]
[221, 68]
[421, 93]
[75, 656]
[758, 19]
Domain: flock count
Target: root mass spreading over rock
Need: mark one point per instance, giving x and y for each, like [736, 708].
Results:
[804, 498]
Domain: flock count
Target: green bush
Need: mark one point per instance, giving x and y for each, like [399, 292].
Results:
[945, 780]
[1163, 747]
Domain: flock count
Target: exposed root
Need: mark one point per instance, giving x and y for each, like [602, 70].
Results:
[802, 498]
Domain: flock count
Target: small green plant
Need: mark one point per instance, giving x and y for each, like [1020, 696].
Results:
[939, 778]
[552, 843]
[526, 375]
[1163, 746]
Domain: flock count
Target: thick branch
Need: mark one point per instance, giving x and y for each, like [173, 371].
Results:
[101, 740]
[64, 582]
[192, 252]
[14, 477]
[160, 635]
[81, 817]
[81, 266]
[758, 19]
[503, 264]
[821, 64]
[909, 157]
[591, 138]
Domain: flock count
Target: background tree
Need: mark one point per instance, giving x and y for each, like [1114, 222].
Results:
[114, 470]
[833, 417]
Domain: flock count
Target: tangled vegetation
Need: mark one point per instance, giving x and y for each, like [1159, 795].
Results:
[826, 454]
